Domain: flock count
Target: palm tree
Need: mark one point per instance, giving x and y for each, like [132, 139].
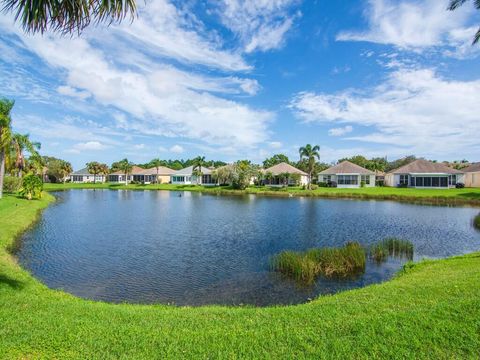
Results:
[126, 166]
[65, 170]
[104, 170]
[95, 168]
[67, 16]
[310, 153]
[20, 143]
[5, 135]
[156, 163]
[198, 162]
[455, 4]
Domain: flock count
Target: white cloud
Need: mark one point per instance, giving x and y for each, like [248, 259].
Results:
[139, 146]
[87, 146]
[260, 24]
[415, 25]
[340, 131]
[275, 144]
[69, 91]
[177, 149]
[416, 111]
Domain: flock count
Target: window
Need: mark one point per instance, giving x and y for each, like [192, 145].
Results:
[403, 180]
[431, 181]
[347, 180]
[366, 179]
[327, 178]
[452, 179]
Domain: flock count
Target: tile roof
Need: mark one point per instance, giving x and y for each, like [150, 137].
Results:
[422, 166]
[284, 168]
[347, 167]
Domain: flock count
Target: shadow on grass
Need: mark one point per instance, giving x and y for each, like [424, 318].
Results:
[14, 284]
[470, 195]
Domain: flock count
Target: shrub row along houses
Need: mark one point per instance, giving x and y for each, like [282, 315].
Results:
[417, 174]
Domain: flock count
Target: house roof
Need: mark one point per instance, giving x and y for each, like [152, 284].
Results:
[136, 170]
[475, 167]
[422, 166]
[347, 167]
[83, 171]
[162, 170]
[284, 168]
[189, 170]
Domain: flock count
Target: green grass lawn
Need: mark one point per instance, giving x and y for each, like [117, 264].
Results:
[430, 311]
[454, 196]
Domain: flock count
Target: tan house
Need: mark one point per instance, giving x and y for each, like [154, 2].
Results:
[472, 175]
[144, 176]
[424, 174]
[276, 175]
[347, 175]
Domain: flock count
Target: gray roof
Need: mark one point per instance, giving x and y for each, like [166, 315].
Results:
[189, 171]
[475, 167]
[422, 166]
[347, 167]
[83, 171]
[284, 168]
[162, 170]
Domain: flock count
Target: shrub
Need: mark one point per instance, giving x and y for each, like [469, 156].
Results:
[332, 184]
[32, 187]
[476, 221]
[329, 262]
[362, 184]
[11, 184]
[314, 186]
[459, 185]
[323, 184]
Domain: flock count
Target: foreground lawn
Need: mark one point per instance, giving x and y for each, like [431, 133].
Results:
[430, 311]
[460, 196]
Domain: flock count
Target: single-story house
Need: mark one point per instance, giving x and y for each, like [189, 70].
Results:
[119, 176]
[424, 174]
[148, 176]
[472, 175]
[186, 177]
[277, 175]
[347, 175]
[83, 176]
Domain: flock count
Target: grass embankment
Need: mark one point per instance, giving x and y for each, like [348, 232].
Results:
[436, 196]
[431, 311]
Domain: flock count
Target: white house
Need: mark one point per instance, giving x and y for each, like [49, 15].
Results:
[347, 175]
[83, 176]
[186, 177]
[424, 174]
[278, 171]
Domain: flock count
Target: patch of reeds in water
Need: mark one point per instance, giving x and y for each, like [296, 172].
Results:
[476, 222]
[330, 262]
[398, 248]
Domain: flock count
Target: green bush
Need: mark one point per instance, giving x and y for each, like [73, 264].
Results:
[362, 184]
[314, 186]
[329, 262]
[323, 184]
[32, 187]
[476, 221]
[11, 184]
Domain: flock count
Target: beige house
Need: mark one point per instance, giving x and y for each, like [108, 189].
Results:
[472, 175]
[277, 172]
[347, 175]
[144, 176]
[424, 174]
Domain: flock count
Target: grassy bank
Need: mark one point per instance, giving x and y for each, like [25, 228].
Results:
[440, 196]
[430, 311]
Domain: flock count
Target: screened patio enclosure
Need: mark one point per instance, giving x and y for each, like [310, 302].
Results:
[429, 181]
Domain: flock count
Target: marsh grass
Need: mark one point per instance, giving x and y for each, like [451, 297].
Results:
[476, 221]
[397, 248]
[329, 262]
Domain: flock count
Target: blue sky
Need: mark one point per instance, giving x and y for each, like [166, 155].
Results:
[238, 79]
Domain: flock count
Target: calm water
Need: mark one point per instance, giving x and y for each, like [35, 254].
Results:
[193, 249]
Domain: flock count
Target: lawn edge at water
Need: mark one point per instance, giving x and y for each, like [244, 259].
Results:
[468, 196]
[430, 309]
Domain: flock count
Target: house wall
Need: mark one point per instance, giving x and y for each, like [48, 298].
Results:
[393, 180]
[334, 178]
[472, 179]
[86, 178]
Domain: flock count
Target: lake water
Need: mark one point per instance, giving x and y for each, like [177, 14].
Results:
[193, 249]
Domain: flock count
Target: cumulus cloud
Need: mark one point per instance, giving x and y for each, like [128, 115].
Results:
[260, 24]
[275, 144]
[415, 110]
[415, 25]
[177, 149]
[87, 146]
[340, 131]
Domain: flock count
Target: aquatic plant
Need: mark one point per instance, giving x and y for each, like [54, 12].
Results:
[398, 248]
[476, 221]
[329, 262]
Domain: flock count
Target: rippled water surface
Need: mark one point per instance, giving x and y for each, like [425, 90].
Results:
[192, 249]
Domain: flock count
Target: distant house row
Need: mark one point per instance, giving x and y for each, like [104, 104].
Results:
[418, 174]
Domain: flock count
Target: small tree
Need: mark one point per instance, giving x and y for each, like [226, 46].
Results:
[198, 163]
[96, 168]
[126, 166]
[311, 153]
[156, 163]
[32, 187]
[224, 175]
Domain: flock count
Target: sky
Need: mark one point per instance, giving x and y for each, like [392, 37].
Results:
[236, 79]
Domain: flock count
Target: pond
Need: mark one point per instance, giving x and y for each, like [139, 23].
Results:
[188, 248]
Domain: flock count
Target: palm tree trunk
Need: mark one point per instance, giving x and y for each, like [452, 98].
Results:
[2, 171]
[156, 180]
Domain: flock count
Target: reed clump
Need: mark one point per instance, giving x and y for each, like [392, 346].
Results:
[476, 222]
[329, 262]
[395, 247]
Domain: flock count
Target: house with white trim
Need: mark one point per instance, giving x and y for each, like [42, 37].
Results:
[424, 174]
[347, 175]
[83, 176]
[280, 175]
[186, 177]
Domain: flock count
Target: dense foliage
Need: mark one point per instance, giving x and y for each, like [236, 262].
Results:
[32, 187]
[11, 184]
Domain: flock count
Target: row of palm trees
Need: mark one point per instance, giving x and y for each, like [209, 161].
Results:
[13, 147]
